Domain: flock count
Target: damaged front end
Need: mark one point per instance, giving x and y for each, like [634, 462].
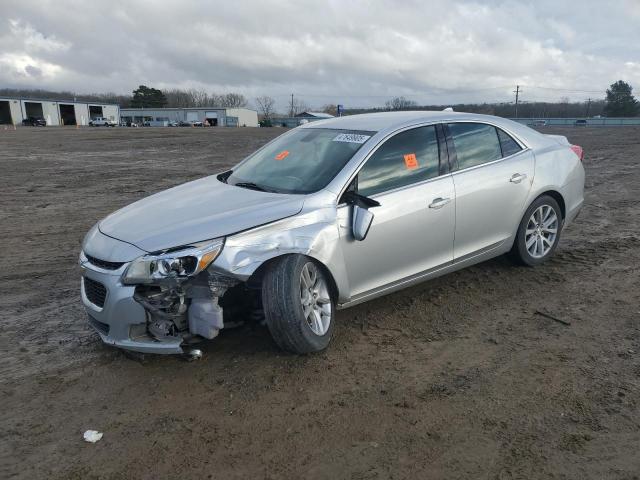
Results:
[185, 309]
[166, 301]
[184, 298]
[163, 302]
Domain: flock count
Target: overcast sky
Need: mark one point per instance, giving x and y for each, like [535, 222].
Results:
[354, 53]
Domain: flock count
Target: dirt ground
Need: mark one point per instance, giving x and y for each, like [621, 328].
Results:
[456, 378]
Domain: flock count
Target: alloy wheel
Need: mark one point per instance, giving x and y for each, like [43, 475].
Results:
[542, 231]
[314, 296]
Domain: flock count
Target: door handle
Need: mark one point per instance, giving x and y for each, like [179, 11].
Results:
[439, 202]
[517, 177]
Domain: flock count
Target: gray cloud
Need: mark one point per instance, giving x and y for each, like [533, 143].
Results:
[356, 53]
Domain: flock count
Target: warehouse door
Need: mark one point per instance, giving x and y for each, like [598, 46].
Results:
[192, 116]
[33, 109]
[95, 111]
[212, 118]
[5, 114]
[68, 114]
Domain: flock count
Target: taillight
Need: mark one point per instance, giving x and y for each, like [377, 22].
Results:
[577, 149]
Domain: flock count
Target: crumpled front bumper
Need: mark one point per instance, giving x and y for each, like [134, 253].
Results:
[120, 320]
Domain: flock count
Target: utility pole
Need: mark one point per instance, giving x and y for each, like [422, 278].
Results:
[517, 92]
[588, 107]
[291, 109]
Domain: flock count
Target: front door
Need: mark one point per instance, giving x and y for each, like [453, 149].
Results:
[413, 228]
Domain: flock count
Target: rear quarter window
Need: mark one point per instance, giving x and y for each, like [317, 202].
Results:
[509, 145]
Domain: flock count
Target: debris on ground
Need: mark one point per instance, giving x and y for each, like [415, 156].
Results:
[551, 317]
[92, 436]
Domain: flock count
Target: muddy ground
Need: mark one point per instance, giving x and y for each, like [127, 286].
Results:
[454, 378]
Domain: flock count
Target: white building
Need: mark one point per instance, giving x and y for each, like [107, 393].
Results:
[214, 116]
[318, 115]
[55, 112]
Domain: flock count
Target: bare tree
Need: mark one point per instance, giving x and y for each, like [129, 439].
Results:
[233, 100]
[331, 109]
[266, 106]
[177, 98]
[297, 107]
[199, 98]
[564, 106]
[194, 97]
[400, 103]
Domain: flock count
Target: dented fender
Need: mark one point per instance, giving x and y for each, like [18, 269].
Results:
[313, 233]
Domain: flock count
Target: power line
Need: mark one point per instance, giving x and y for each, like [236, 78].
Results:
[390, 95]
[565, 89]
[438, 92]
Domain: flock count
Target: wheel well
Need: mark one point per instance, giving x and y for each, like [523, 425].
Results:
[558, 198]
[255, 280]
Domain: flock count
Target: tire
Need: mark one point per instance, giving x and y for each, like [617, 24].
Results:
[288, 283]
[537, 240]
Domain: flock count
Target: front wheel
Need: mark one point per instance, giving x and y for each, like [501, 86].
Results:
[297, 303]
[539, 232]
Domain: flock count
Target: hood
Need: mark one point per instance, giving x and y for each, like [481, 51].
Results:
[196, 211]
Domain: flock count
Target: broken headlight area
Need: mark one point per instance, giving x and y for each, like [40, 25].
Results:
[197, 307]
[176, 263]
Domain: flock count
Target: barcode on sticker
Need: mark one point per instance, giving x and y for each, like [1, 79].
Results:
[352, 138]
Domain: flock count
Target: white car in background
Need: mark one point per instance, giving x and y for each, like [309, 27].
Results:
[102, 122]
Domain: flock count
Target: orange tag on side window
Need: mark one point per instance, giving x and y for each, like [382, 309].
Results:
[410, 161]
[282, 155]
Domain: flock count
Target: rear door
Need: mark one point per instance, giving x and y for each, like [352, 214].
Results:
[413, 227]
[492, 174]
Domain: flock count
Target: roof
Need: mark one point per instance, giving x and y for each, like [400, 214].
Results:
[166, 109]
[174, 108]
[53, 100]
[315, 114]
[388, 122]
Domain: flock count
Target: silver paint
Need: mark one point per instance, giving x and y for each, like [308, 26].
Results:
[419, 231]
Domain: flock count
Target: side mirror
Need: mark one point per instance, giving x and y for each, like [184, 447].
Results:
[361, 216]
[362, 219]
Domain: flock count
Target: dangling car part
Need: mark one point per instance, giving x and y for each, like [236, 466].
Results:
[329, 215]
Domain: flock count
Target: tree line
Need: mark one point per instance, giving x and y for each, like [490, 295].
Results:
[618, 102]
[562, 109]
[143, 96]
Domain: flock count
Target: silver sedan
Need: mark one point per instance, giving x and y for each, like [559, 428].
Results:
[326, 216]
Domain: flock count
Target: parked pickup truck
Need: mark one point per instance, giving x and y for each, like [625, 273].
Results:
[102, 122]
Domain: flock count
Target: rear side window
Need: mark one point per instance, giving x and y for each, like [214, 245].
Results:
[406, 158]
[475, 143]
[508, 144]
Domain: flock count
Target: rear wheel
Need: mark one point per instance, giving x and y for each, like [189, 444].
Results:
[297, 304]
[539, 232]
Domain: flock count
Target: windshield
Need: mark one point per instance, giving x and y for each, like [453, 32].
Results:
[304, 161]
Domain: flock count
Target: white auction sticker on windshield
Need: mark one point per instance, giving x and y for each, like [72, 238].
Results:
[352, 138]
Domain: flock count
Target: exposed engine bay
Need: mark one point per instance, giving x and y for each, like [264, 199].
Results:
[190, 309]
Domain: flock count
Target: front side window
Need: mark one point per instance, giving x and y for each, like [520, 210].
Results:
[304, 161]
[475, 143]
[406, 158]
